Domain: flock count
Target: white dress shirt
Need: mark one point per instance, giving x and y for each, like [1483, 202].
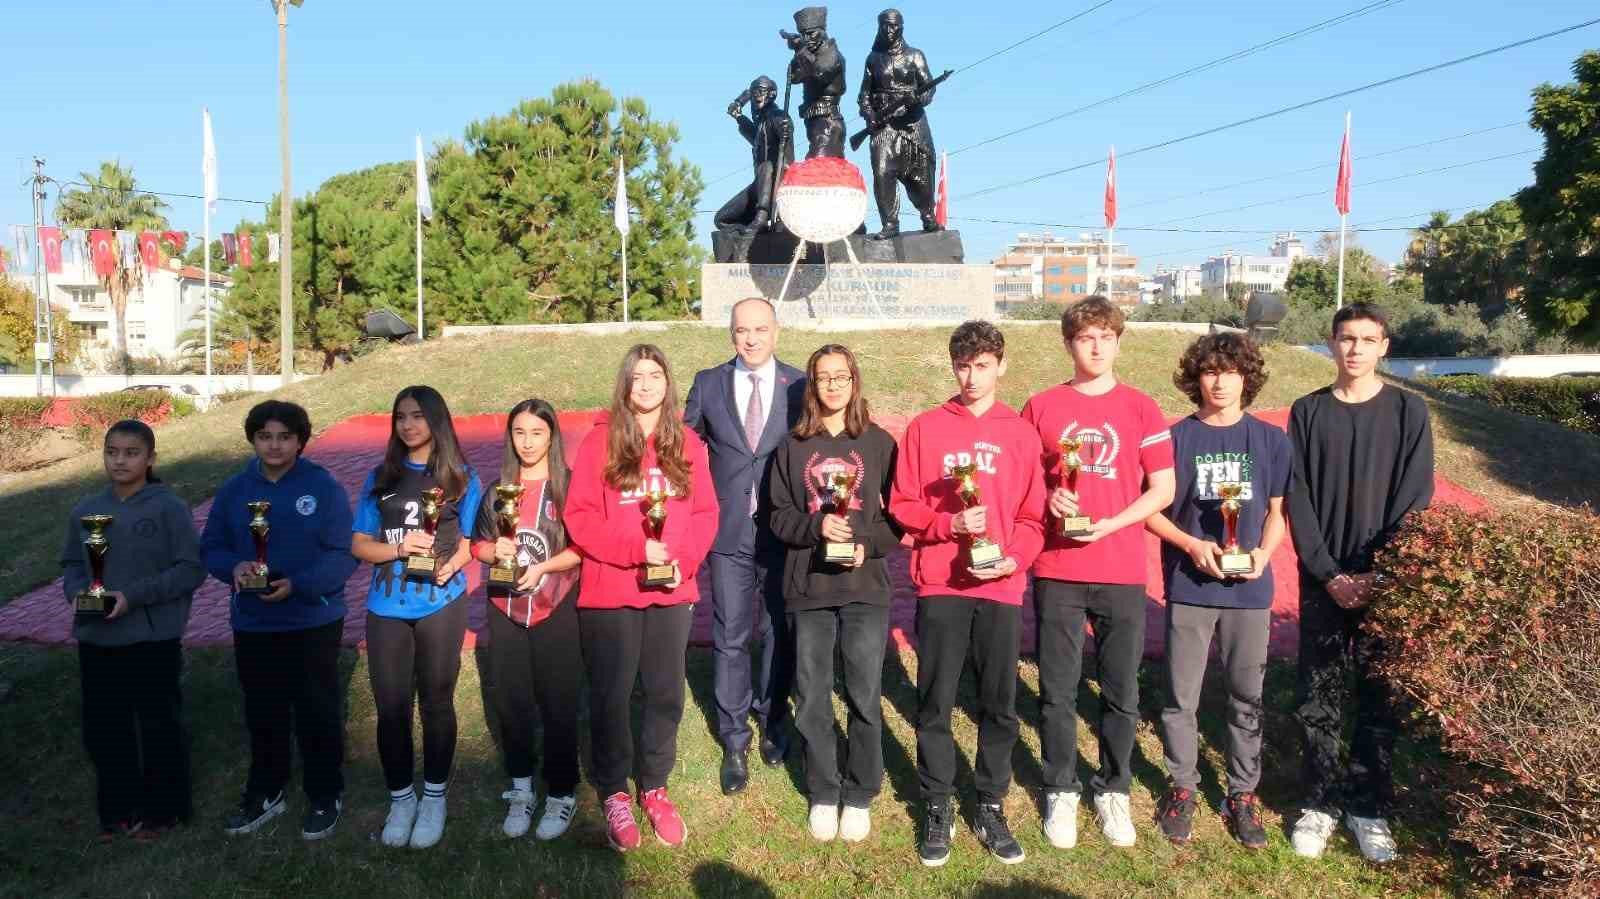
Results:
[768, 373]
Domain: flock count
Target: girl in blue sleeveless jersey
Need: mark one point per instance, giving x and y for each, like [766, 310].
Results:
[415, 625]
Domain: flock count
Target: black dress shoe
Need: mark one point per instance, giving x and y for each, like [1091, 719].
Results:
[774, 749]
[735, 772]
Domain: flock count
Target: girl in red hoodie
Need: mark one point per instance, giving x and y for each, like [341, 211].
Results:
[631, 631]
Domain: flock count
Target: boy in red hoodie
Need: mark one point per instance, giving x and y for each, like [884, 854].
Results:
[966, 608]
[1123, 450]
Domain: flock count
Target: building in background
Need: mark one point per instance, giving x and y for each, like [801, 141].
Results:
[1177, 285]
[1267, 273]
[169, 302]
[1059, 270]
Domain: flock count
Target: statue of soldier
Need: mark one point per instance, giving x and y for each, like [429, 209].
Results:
[771, 138]
[894, 90]
[819, 68]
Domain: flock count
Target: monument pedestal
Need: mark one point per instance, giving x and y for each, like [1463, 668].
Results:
[777, 248]
[902, 291]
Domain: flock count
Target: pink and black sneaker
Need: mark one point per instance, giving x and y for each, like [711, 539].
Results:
[622, 832]
[664, 817]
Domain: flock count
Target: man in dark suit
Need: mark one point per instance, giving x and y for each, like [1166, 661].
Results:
[742, 409]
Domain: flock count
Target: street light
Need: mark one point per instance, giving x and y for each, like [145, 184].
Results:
[285, 203]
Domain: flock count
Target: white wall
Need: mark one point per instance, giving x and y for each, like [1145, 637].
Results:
[90, 385]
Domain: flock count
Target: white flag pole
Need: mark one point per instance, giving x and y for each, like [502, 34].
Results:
[1344, 219]
[424, 202]
[208, 164]
[419, 273]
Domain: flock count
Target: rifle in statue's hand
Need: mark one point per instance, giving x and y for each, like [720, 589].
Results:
[900, 110]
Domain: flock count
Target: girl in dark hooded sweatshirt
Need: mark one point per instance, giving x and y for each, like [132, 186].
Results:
[130, 658]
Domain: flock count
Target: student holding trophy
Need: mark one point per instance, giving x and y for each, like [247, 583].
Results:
[1233, 471]
[135, 542]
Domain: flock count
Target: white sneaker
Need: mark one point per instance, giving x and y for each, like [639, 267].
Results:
[430, 822]
[520, 815]
[854, 824]
[1116, 821]
[557, 816]
[1061, 819]
[1374, 838]
[397, 827]
[824, 822]
[1311, 833]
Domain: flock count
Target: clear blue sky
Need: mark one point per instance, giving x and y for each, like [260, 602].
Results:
[126, 80]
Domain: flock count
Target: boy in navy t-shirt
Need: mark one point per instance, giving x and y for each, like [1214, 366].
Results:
[1220, 452]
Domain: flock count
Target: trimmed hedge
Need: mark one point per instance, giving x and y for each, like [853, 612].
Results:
[105, 409]
[1491, 626]
[1570, 402]
[20, 429]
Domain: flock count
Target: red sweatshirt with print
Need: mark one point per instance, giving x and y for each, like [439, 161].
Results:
[607, 526]
[1010, 483]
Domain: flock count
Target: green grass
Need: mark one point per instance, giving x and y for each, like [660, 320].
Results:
[752, 845]
[906, 372]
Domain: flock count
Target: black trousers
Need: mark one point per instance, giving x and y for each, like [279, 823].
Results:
[133, 730]
[857, 632]
[1117, 612]
[951, 630]
[1332, 643]
[622, 647]
[416, 658]
[290, 681]
[537, 672]
[747, 599]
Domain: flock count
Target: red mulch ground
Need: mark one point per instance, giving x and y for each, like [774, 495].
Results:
[351, 448]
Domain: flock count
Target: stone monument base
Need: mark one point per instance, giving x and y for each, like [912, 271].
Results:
[777, 248]
[871, 291]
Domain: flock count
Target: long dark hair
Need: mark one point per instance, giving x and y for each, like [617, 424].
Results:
[856, 416]
[555, 456]
[625, 442]
[445, 461]
[136, 428]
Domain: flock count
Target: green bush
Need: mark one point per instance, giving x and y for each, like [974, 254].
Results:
[1491, 625]
[1569, 402]
[1036, 311]
[20, 429]
[105, 409]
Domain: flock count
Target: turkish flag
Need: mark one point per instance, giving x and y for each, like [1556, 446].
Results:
[1341, 188]
[230, 249]
[1111, 189]
[103, 252]
[178, 239]
[150, 250]
[51, 239]
[941, 207]
[246, 251]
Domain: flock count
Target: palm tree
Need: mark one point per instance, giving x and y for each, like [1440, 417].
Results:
[113, 201]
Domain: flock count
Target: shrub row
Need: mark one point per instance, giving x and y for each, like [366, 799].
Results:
[1570, 402]
[1491, 627]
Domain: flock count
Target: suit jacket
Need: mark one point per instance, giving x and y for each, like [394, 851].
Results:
[711, 412]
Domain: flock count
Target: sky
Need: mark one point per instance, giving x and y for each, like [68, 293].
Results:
[117, 79]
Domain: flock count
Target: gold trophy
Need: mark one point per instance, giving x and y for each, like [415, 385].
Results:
[655, 522]
[1071, 462]
[985, 553]
[255, 579]
[840, 485]
[1234, 560]
[94, 603]
[423, 567]
[504, 573]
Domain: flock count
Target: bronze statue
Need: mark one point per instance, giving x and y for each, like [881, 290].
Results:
[819, 68]
[895, 89]
[770, 134]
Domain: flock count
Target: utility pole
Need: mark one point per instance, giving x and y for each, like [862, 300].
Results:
[43, 332]
[285, 205]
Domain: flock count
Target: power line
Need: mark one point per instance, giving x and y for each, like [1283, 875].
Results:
[1038, 34]
[1319, 193]
[156, 193]
[1286, 109]
[1194, 70]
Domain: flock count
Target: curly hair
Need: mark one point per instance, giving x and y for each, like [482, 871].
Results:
[1222, 352]
[974, 338]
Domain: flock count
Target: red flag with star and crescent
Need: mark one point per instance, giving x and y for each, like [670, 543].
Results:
[1341, 189]
[51, 239]
[1111, 189]
[150, 250]
[103, 252]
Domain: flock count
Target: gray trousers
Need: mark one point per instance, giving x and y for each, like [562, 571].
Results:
[1242, 644]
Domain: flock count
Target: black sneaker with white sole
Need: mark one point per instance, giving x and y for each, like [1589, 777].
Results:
[253, 813]
[321, 818]
[938, 829]
[994, 833]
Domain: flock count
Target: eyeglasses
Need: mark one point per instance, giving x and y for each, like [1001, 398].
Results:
[833, 381]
